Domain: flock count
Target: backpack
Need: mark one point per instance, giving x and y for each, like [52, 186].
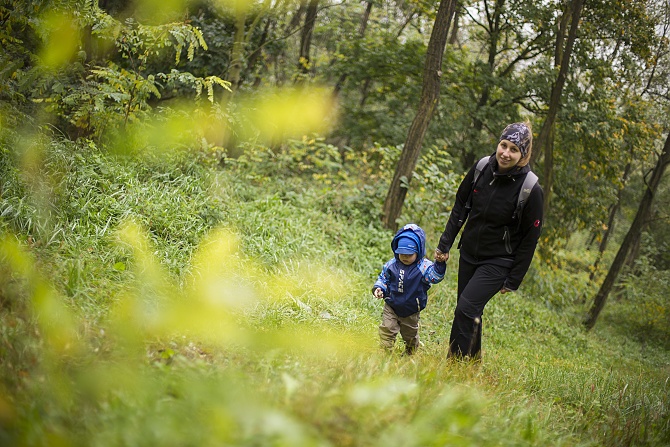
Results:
[528, 184]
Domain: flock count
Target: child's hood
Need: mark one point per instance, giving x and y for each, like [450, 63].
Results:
[415, 232]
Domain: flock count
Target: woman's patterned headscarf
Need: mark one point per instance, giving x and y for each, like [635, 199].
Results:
[519, 134]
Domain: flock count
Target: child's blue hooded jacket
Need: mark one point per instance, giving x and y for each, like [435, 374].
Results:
[406, 287]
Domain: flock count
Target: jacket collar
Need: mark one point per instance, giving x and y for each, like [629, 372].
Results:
[513, 173]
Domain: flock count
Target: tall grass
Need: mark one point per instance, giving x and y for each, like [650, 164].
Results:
[169, 301]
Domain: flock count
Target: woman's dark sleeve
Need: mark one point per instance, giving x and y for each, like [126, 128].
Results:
[457, 212]
[531, 227]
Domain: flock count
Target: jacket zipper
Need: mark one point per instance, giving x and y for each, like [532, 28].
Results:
[488, 203]
[508, 246]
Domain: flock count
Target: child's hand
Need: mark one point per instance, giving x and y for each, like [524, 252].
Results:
[379, 293]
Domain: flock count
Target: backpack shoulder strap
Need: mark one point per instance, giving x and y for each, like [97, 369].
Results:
[481, 164]
[528, 184]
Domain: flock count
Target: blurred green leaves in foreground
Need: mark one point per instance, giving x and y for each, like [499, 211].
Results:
[198, 364]
[157, 323]
[211, 285]
[267, 117]
[132, 315]
[167, 301]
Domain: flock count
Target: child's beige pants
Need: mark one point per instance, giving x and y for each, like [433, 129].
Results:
[392, 324]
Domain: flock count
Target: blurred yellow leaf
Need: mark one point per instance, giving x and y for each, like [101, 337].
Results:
[288, 113]
[238, 6]
[157, 12]
[56, 321]
[62, 40]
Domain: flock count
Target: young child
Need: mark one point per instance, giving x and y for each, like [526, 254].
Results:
[403, 283]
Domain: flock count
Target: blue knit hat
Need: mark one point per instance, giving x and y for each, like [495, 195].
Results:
[406, 246]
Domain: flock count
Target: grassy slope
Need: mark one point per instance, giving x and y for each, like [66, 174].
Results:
[282, 348]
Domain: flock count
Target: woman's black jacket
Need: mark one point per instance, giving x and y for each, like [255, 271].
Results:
[492, 233]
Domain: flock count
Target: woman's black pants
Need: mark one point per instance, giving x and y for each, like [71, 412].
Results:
[477, 284]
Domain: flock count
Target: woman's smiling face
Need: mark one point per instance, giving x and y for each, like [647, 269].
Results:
[507, 155]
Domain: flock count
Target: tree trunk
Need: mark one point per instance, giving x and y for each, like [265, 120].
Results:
[560, 36]
[365, 90]
[632, 237]
[470, 151]
[453, 39]
[543, 141]
[297, 17]
[430, 94]
[253, 58]
[237, 58]
[634, 251]
[629, 262]
[361, 33]
[614, 209]
[306, 36]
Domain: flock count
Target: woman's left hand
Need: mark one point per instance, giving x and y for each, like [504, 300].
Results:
[505, 290]
[441, 257]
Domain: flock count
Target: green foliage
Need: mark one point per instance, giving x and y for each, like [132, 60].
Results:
[387, 78]
[635, 31]
[78, 200]
[88, 99]
[152, 282]
[492, 77]
[433, 186]
[20, 42]
[112, 95]
[111, 98]
[615, 130]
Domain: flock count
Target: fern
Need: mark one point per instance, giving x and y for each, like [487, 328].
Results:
[176, 77]
[101, 98]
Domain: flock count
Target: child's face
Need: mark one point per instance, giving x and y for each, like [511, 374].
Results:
[407, 259]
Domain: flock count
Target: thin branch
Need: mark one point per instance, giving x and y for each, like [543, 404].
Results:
[405, 23]
[528, 53]
[476, 21]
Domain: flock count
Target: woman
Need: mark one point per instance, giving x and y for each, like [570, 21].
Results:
[498, 243]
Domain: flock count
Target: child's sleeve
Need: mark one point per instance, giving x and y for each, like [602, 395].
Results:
[383, 279]
[433, 272]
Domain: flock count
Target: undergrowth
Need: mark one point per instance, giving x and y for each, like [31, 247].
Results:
[179, 300]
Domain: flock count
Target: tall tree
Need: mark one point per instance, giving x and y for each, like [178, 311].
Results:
[494, 29]
[544, 141]
[246, 17]
[601, 114]
[609, 226]
[306, 36]
[361, 32]
[430, 94]
[453, 39]
[507, 41]
[632, 237]
[239, 44]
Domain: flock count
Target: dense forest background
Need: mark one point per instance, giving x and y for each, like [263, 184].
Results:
[196, 195]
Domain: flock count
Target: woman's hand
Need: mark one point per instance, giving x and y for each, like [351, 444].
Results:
[441, 257]
[504, 290]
